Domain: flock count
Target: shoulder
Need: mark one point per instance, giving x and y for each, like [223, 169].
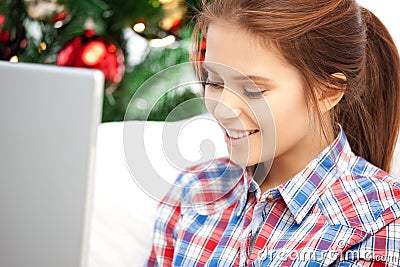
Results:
[363, 197]
[202, 174]
[207, 187]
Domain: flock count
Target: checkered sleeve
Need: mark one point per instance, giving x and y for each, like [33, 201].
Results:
[164, 234]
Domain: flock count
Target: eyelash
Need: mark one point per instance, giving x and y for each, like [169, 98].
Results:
[218, 85]
[253, 94]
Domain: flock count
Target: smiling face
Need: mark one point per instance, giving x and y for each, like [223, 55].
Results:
[258, 100]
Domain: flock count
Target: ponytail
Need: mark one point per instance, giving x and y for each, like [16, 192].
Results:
[373, 125]
[335, 37]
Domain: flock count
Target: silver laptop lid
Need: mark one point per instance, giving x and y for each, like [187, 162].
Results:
[48, 122]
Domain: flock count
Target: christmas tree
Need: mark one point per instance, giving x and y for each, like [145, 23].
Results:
[129, 41]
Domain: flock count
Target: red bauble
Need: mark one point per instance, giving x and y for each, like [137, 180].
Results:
[95, 52]
[203, 46]
[11, 44]
[176, 27]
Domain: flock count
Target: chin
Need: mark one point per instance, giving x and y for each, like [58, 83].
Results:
[243, 161]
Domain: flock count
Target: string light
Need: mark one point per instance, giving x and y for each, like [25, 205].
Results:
[58, 24]
[14, 59]
[169, 40]
[139, 27]
[155, 3]
[42, 46]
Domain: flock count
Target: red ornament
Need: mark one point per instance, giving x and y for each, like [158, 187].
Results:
[4, 34]
[176, 27]
[62, 18]
[11, 44]
[203, 47]
[95, 52]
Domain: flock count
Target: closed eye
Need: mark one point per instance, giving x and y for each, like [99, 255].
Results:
[216, 85]
[251, 94]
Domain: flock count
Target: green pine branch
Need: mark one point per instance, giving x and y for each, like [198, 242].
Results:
[111, 17]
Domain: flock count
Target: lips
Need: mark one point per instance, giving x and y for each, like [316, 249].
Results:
[235, 137]
[239, 134]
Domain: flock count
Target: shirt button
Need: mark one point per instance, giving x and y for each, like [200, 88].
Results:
[269, 198]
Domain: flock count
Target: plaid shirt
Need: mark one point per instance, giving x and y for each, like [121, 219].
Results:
[339, 211]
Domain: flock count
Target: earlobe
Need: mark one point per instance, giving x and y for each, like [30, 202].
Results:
[331, 96]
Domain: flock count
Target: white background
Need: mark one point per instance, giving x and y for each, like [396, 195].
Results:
[388, 11]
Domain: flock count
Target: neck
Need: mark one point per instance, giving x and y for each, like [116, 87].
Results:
[286, 165]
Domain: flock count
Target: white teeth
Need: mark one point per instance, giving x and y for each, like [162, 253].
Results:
[237, 135]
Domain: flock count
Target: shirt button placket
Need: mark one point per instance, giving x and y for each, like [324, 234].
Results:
[245, 249]
[269, 198]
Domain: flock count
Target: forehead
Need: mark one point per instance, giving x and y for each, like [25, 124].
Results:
[237, 49]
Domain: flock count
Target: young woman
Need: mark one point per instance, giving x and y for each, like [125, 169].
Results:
[307, 93]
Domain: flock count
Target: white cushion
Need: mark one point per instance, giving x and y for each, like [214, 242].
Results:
[122, 220]
[121, 227]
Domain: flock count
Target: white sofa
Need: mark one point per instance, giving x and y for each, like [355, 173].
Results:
[122, 221]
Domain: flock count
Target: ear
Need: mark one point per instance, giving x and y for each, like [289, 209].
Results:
[331, 96]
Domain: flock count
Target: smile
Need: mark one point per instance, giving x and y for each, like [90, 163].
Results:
[238, 137]
[239, 134]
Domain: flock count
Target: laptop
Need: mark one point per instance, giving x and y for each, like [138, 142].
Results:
[48, 122]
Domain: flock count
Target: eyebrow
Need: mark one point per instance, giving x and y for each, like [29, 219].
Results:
[253, 78]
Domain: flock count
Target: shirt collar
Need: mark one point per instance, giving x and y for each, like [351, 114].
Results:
[225, 183]
[302, 191]
[216, 187]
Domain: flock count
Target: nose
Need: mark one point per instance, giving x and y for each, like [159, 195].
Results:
[227, 106]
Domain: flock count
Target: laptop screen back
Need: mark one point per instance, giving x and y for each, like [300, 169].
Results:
[48, 122]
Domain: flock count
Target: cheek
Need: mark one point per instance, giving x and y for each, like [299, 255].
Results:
[292, 120]
[289, 107]
[291, 112]
[210, 100]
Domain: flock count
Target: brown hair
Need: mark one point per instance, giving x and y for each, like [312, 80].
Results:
[321, 38]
